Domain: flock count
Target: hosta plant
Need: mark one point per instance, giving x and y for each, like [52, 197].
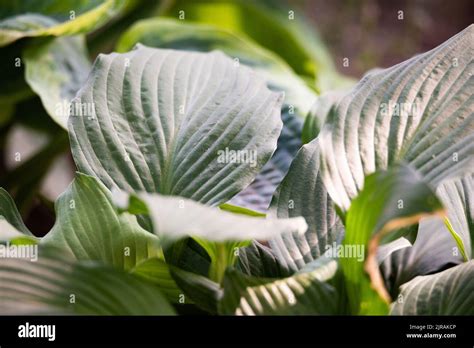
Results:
[181, 138]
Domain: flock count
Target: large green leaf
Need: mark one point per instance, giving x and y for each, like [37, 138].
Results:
[273, 28]
[389, 201]
[55, 70]
[302, 193]
[89, 227]
[450, 292]
[419, 111]
[435, 248]
[56, 285]
[164, 121]
[20, 18]
[301, 294]
[176, 34]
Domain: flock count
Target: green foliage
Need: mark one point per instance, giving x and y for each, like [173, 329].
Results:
[19, 19]
[211, 174]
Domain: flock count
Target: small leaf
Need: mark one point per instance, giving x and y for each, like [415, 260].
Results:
[317, 115]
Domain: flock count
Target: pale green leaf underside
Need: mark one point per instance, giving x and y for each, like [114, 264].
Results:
[450, 292]
[56, 70]
[432, 129]
[174, 218]
[20, 18]
[46, 286]
[89, 227]
[161, 121]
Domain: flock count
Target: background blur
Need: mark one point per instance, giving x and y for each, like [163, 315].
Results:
[370, 34]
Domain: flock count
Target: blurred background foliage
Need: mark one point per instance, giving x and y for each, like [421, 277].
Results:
[304, 47]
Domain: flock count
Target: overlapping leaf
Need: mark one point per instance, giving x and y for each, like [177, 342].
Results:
[419, 111]
[302, 193]
[318, 114]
